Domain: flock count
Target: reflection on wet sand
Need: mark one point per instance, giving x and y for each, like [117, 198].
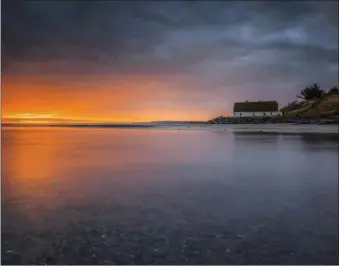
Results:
[140, 196]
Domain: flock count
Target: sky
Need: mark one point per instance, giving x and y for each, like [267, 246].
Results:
[160, 60]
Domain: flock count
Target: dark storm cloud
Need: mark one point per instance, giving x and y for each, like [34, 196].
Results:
[223, 43]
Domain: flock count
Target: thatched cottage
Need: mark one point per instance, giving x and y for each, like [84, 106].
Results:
[260, 108]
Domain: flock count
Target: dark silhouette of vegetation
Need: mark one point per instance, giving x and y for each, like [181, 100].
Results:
[333, 90]
[311, 92]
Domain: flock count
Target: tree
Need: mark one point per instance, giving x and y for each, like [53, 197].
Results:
[334, 90]
[311, 92]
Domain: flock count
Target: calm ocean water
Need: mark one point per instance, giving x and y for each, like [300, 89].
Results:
[151, 196]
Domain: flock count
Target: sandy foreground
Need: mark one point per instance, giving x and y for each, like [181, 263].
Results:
[272, 128]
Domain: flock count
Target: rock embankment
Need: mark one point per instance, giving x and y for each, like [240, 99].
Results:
[271, 120]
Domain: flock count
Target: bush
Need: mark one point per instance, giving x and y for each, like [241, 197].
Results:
[311, 92]
[334, 90]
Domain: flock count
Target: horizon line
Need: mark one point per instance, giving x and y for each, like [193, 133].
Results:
[54, 124]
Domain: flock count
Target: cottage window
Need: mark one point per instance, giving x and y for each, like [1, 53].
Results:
[270, 113]
[264, 113]
[240, 114]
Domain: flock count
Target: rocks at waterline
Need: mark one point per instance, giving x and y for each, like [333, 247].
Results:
[270, 120]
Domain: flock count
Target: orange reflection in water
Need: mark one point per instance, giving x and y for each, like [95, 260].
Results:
[46, 169]
[31, 155]
[31, 167]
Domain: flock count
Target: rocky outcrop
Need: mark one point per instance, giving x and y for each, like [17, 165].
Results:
[270, 120]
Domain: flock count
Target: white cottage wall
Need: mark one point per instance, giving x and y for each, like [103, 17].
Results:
[253, 114]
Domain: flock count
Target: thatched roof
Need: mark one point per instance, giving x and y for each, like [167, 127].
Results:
[268, 106]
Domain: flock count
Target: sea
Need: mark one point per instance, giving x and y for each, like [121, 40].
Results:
[147, 195]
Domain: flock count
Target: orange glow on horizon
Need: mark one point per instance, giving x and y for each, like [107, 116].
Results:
[30, 115]
[40, 118]
[52, 119]
[114, 99]
[30, 118]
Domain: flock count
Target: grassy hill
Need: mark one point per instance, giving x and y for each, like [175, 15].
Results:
[324, 107]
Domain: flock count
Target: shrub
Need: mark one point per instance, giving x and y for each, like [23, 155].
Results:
[311, 92]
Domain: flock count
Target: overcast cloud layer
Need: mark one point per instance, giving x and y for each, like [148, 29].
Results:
[212, 51]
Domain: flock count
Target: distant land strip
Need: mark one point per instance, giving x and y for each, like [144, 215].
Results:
[79, 125]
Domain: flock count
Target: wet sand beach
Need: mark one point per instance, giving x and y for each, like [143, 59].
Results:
[269, 128]
[160, 196]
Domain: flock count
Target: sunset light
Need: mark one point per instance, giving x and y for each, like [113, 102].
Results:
[169, 132]
[32, 116]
